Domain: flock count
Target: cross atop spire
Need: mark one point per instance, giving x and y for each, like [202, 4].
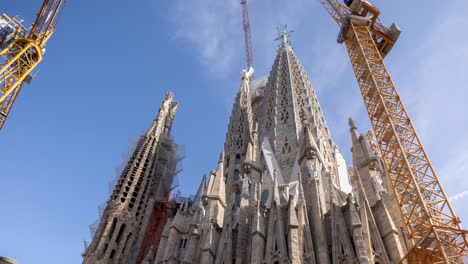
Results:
[284, 34]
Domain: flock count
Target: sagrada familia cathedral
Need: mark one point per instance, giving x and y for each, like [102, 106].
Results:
[281, 192]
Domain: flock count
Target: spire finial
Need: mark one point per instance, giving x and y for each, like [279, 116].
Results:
[284, 34]
[167, 102]
[351, 123]
[221, 157]
[246, 74]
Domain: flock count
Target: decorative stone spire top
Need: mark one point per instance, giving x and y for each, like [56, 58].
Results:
[284, 34]
[246, 74]
[216, 187]
[353, 130]
[201, 191]
[351, 123]
[163, 121]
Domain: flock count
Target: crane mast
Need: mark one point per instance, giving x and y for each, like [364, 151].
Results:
[22, 50]
[247, 35]
[432, 226]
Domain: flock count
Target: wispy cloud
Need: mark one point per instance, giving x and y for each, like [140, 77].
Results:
[458, 196]
[454, 170]
[213, 29]
[436, 94]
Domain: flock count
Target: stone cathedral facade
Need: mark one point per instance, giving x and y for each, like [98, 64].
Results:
[281, 191]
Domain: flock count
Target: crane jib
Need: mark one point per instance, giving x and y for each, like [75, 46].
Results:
[21, 52]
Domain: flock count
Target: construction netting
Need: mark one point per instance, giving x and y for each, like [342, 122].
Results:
[168, 166]
[170, 159]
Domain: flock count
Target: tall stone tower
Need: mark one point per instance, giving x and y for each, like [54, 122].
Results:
[280, 193]
[375, 191]
[146, 178]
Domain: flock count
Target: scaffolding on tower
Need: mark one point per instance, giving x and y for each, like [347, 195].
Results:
[164, 202]
[170, 156]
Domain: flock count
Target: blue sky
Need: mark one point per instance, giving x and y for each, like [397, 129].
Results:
[109, 64]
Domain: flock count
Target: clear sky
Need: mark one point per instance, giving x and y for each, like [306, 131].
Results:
[109, 64]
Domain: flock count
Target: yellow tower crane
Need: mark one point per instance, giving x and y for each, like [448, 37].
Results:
[22, 50]
[432, 226]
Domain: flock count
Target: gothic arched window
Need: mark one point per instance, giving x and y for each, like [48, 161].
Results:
[238, 157]
[121, 231]
[236, 175]
[264, 197]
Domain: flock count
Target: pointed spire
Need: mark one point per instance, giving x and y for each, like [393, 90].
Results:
[167, 110]
[353, 130]
[201, 190]
[240, 124]
[308, 147]
[217, 187]
[246, 75]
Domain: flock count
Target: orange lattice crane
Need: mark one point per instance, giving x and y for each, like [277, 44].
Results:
[432, 226]
[22, 50]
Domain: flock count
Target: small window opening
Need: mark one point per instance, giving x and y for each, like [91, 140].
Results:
[236, 175]
[111, 232]
[119, 235]
[112, 254]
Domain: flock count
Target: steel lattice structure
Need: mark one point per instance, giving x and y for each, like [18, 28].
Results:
[432, 225]
[24, 53]
[247, 35]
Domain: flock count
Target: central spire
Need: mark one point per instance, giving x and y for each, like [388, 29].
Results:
[287, 94]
